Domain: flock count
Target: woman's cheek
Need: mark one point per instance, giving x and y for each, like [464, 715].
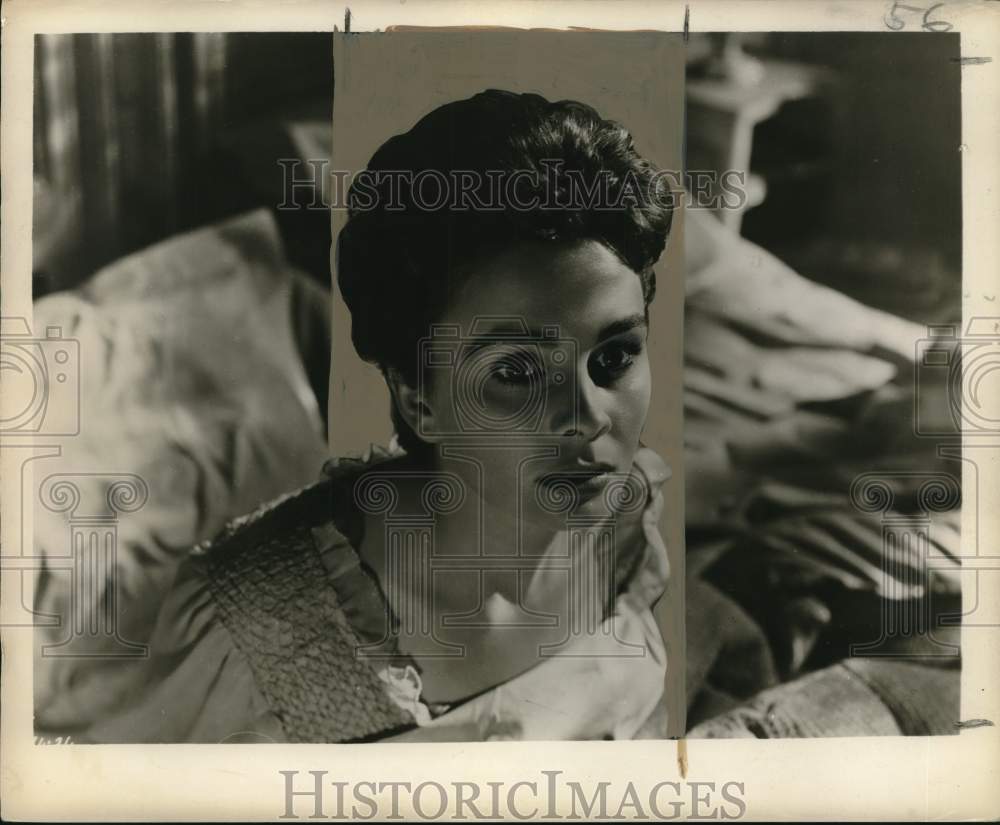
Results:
[644, 389]
[636, 393]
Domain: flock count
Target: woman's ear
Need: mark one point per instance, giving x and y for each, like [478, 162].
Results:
[410, 404]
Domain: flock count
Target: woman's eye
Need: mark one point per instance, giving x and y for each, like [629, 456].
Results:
[510, 375]
[616, 359]
[521, 371]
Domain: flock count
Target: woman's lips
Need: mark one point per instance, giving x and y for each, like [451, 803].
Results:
[587, 481]
[592, 487]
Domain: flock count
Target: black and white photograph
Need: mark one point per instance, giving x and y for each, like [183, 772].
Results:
[486, 570]
[428, 411]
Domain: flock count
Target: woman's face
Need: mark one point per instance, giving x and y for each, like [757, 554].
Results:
[547, 381]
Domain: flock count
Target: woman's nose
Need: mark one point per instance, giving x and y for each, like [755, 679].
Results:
[585, 412]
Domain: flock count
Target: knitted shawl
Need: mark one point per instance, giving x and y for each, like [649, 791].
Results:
[284, 613]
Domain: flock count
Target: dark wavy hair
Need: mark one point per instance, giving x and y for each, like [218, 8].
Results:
[400, 257]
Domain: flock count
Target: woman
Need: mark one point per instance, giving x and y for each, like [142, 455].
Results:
[491, 574]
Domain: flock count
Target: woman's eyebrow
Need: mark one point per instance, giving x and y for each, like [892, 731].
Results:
[501, 332]
[622, 325]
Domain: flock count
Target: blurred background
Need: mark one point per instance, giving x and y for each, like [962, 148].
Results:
[817, 606]
[197, 313]
[140, 136]
[852, 145]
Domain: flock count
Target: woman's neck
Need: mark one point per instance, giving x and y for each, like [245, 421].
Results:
[495, 521]
[479, 587]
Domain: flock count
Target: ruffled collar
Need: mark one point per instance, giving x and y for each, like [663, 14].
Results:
[361, 597]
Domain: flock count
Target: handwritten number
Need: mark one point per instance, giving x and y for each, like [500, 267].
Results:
[896, 23]
[892, 21]
[935, 25]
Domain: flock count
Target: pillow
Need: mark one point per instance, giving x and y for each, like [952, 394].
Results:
[194, 408]
[738, 280]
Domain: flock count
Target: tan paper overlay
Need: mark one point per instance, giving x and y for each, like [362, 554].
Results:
[385, 83]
